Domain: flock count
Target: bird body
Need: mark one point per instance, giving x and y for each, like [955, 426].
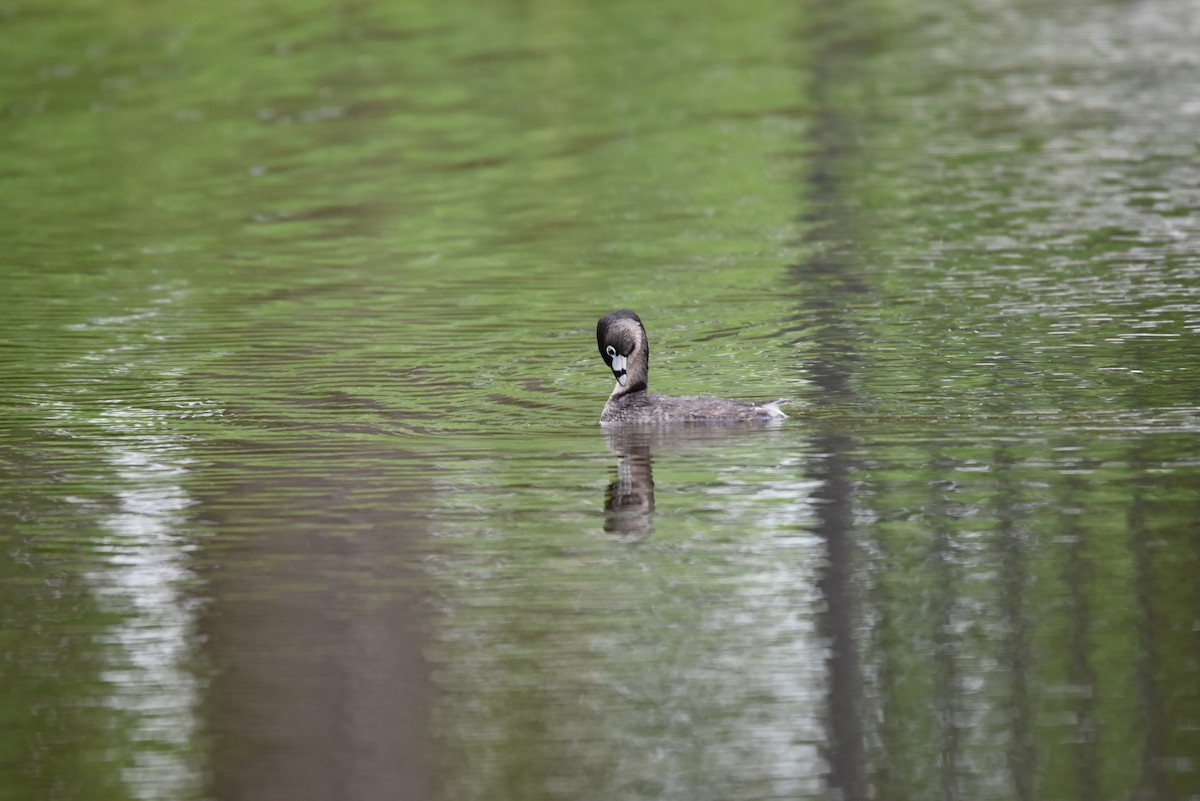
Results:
[623, 344]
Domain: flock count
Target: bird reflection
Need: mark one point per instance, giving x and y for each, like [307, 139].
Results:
[629, 498]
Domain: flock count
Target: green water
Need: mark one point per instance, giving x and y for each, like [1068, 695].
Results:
[302, 494]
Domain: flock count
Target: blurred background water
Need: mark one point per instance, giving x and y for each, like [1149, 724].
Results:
[302, 494]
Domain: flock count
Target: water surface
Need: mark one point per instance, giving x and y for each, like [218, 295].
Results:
[303, 492]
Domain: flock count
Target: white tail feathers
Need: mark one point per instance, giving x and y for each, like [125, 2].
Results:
[772, 408]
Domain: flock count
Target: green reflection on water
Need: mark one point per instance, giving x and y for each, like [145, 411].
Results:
[280, 285]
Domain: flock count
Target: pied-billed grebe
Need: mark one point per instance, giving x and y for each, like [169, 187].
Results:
[622, 341]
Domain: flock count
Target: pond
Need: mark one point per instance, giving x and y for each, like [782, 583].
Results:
[303, 490]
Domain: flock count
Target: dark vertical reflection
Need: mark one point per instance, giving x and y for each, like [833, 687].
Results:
[1016, 648]
[315, 631]
[946, 643]
[827, 282]
[1078, 578]
[845, 751]
[1152, 783]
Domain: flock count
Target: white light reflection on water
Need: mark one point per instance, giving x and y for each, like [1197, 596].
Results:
[143, 575]
[143, 582]
[682, 658]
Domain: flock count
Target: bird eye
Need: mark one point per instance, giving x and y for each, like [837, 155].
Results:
[610, 350]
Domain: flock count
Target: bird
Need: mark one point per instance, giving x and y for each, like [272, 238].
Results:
[622, 342]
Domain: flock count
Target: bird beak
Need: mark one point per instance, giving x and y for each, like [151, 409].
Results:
[618, 368]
